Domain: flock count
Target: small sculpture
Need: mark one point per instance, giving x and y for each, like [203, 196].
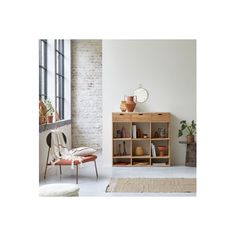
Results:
[119, 151]
[124, 153]
[123, 132]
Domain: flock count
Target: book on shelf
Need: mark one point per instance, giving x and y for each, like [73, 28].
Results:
[153, 150]
[134, 130]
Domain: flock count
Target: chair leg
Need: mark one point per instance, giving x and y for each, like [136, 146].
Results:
[45, 172]
[46, 164]
[60, 170]
[77, 174]
[96, 168]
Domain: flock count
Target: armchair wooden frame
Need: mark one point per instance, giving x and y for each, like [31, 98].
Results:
[62, 162]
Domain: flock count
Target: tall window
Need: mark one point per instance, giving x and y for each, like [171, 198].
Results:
[42, 69]
[59, 68]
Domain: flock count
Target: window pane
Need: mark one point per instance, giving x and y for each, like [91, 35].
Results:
[57, 106]
[43, 82]
[40, 52]
[57, 86]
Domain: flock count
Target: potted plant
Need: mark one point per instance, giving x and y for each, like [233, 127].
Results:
[188, 129]
[42, 113]
[50, 110]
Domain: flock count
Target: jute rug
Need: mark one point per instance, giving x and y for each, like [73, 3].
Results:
[152, 185]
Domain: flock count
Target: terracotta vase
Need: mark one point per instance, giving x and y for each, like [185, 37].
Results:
[190, 138]
[123, 106]
[130, 103]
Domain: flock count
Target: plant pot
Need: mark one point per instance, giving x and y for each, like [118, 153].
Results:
[190, 138]
[50, 119]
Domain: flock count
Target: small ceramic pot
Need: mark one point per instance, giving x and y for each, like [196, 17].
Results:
[50, 119]
[162, 150]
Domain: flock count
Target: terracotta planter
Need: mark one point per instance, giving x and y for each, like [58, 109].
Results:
[130, 103]
[162, 150]
[123, 106]
[139, 151]
[190, 138]
[50, 119]
[42, 120]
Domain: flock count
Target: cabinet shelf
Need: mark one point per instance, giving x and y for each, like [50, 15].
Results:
[140, 157]
[137, 139]
[156, 139]
[134, 124]
[121, 139]
[161, 157]
[122, 156]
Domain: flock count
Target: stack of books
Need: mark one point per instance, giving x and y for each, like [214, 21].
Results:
[134, 131]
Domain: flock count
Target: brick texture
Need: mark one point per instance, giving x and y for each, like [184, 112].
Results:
[86, 93]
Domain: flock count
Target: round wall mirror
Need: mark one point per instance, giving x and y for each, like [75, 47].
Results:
[142, 94]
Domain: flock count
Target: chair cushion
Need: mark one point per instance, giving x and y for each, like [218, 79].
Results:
[82, 151]
[76, 162]
[59, 190]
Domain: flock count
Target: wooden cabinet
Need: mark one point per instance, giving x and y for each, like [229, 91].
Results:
[141, 139]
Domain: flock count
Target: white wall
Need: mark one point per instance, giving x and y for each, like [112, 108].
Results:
[86, 91]
[166, 68]
[43, 150]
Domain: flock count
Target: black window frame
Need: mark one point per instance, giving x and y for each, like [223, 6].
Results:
[43, 69]
[60, 78]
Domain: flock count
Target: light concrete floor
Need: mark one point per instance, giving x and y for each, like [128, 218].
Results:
[90, 186]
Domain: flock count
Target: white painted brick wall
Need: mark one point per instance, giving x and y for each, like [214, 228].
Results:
[86, 93]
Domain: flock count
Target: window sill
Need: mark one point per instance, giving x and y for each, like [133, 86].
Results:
[54, 125]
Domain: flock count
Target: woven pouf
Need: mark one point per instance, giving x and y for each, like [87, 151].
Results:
[59, 190]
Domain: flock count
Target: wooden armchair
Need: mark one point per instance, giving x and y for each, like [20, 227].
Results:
[63, 162]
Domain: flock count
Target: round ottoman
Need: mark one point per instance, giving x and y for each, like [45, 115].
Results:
[59, 190]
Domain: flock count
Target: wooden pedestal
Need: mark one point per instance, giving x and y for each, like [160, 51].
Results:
[190, 154]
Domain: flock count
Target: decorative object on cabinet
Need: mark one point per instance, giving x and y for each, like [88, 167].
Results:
[124, 152]
[130, 103]
[139, 151]
[188, 129]
[140, 134]
[119, 152]
[141, 93]
[162, 150]
[118, 134]
[123, 106]
[123, 132]
[161, 132]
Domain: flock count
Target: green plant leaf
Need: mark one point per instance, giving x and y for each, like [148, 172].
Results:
[183, 126]
[183, 122]
[180, 133]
